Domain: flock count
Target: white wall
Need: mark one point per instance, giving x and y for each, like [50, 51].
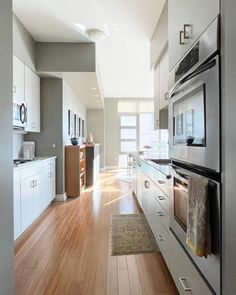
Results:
[72, 102]
[96, 125]
[6, 151]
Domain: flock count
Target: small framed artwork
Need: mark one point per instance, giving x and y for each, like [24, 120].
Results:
[75, 124]
[179, 124]
[79, 126]
[82, 131]
[189, 117]
[71, 122]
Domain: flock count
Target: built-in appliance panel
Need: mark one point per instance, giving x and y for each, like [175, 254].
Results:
[203, 91]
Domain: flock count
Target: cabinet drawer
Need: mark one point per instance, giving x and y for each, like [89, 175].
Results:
[163, 217]
[163, 240]
[162, 199]
[185, 275]
[30, 171]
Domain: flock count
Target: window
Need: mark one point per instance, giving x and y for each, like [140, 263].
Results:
[147, 135]
[128, 133]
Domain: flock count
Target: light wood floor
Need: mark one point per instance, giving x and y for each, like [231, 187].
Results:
[67, 251]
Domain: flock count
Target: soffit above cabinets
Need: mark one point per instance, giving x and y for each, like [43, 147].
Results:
[84, 84]
[124, 56]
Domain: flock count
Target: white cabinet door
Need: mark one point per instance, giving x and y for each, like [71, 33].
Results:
[37, 195]
[18, 81]
[139, 185]
[27, 202]
[156, 97]
[164, 74]
[198, 14]
[32, 98]
[17, 210]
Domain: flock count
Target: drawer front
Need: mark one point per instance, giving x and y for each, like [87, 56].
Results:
[163, 239]
[185, 275]
[162, 215]
[31, 170]
[162, 199]
[16, 175]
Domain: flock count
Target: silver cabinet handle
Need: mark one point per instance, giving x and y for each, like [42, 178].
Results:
[183, 281]
[181, 35]
[160, 213]
[157, 122]
[166, 96]
[187, 31]
[147, 184]
[32, 184]
[14, 89]
[160, 238]
[161, 181]
[161, 198]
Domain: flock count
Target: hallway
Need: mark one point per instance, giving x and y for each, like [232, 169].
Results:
[67, 251]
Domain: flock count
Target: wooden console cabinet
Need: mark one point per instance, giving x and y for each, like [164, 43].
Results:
[93, 163]
[75, 170]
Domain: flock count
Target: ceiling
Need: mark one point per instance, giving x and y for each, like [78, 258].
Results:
[123, 56]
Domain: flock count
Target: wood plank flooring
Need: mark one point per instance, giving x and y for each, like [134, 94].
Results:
[67, 251]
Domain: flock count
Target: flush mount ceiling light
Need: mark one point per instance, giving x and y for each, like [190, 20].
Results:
[93, 34]
[96, 95]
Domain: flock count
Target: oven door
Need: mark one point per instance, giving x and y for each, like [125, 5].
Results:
[194, 112]
[209, 267]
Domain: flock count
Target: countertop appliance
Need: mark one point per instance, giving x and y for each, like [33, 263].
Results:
[194, 108]
[19, 115]
[194, 140]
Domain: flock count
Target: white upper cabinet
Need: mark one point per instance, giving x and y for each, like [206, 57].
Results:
[187, 20]
[18, 80]
[32, 98]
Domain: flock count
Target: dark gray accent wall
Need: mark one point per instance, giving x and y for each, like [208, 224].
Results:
[51, 127]
[228, 38]
[23, 43]
[6, 150]
[65, 57]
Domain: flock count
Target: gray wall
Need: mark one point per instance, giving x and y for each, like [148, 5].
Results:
[159, 41]
[6, 177]
[51, 126]
[96, 125]
[23, 43]
[56, 99]
[229, 144]
[65, 57]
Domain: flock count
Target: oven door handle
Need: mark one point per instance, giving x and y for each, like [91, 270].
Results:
[202, 68]
[178, 174]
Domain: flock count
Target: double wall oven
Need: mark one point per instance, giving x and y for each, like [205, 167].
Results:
[194, 130]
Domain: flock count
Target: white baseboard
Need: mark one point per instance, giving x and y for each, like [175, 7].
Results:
[60, 198]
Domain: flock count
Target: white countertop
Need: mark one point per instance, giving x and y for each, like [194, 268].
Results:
[35, 161]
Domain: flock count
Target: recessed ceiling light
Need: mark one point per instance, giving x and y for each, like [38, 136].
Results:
[93, 88]
[96, 95]
[95, 34]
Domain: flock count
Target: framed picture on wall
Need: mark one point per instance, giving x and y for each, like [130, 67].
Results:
[71, 122]
[79, 126]
[82, 131]
[75, 124]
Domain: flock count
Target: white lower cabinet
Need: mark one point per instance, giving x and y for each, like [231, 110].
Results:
[155, 204]
[27, 202]
[17, 210]
[34, 190]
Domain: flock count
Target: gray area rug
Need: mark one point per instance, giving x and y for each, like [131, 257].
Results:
[131, 234]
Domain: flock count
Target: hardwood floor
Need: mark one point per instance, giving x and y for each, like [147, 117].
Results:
[67, 251]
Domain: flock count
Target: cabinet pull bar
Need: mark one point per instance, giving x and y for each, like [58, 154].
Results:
[181, 34]
[183, 284]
